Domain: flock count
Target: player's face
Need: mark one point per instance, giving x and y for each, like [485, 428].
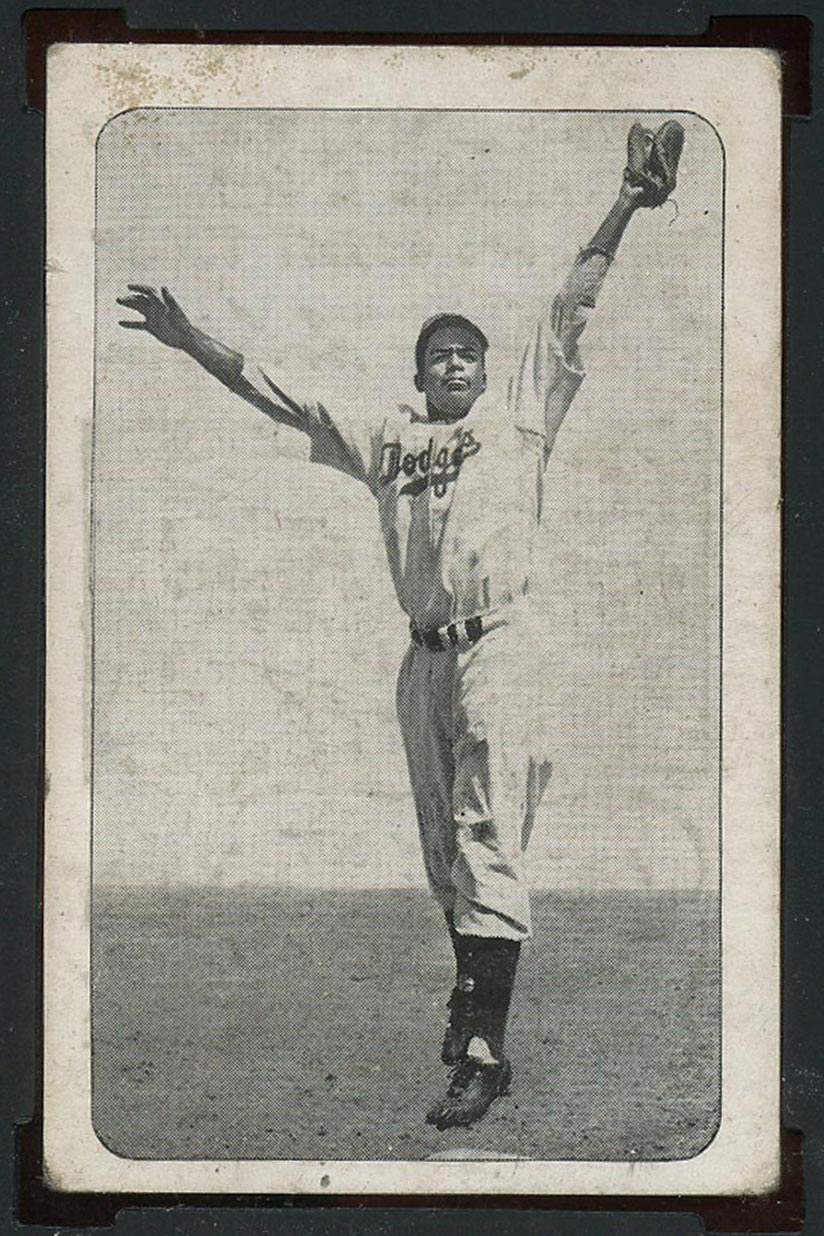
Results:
[453, 374]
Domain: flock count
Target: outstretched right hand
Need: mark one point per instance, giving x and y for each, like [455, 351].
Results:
[162, 315]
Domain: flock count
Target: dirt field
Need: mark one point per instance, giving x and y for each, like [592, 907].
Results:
[265, 1023]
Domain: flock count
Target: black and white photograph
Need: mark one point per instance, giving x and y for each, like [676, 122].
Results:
[405, 496]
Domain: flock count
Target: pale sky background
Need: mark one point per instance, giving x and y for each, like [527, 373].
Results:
[247, 637]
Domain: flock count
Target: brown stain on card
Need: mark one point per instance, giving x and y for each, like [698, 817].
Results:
[141, 85]
[133, 86]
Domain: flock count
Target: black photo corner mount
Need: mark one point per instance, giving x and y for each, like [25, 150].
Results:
[32, 1203]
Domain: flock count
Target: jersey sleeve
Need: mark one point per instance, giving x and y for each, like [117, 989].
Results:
[551, 369]
[346, 442]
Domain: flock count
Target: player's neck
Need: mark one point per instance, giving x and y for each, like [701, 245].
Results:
[440, 416]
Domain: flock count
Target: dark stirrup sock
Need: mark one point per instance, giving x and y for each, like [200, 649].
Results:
[487, 968]
[461, 946]
[497, 967]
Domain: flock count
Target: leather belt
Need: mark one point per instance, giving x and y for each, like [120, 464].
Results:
[457, 635]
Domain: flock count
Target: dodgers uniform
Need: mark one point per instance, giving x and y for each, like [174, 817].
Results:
[460, 505]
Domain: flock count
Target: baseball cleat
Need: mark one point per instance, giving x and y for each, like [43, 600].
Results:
[474, 1087]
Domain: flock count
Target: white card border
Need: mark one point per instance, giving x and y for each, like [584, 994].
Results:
[738, 92]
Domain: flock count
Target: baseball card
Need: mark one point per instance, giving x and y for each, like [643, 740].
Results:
[413, 645]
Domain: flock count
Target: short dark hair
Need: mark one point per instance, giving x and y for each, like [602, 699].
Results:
[438, 322]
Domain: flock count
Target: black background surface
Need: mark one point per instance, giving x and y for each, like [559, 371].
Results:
[27, 1206]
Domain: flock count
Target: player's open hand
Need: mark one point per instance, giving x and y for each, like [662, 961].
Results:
[162, 315]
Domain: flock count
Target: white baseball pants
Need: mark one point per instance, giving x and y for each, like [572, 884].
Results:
[476, 780]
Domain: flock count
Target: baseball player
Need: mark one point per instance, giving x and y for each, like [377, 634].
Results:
[458, 488]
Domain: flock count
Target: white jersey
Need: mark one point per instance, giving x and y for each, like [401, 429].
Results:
[460, 503]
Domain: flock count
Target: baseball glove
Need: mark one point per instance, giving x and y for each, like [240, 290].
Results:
[652, 161]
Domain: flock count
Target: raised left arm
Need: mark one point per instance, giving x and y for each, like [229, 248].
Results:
[551, 370]
[649, 178]
[579, 293]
